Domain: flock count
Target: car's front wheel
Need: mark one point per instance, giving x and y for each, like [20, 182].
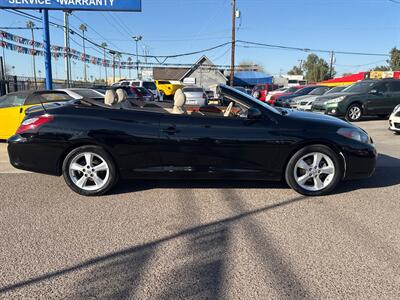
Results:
[89, 171]
[314, 170]
[354, 113]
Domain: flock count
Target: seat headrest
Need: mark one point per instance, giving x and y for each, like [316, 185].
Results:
[179, 102]
[110, 97]
[121, 95]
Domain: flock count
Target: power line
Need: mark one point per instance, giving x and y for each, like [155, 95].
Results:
[309, 49]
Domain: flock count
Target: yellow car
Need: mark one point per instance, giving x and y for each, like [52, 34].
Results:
[167, 87]
[14, 105]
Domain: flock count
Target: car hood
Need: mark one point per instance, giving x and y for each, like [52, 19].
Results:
[323, 99]
[296, 115]
[301, 98]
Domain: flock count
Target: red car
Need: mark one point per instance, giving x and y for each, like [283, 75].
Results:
[260, 91]
[288, 92]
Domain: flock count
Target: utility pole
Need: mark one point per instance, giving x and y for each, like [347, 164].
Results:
[67, 64]
[31, 26]
[83, 28]
[331, 65]
[233, 42]
[137, 39]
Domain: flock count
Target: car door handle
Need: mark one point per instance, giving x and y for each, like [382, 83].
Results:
[170, 130]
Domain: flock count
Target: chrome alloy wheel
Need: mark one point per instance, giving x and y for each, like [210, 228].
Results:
[314, 171]
[89, 171]
[354, 113]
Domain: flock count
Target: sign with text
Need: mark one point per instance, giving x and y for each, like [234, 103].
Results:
[99, 5]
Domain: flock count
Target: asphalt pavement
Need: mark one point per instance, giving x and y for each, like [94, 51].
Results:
[203, 240]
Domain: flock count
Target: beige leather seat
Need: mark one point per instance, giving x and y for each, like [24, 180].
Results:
[121, 95]
[110, 98]
[179, 102]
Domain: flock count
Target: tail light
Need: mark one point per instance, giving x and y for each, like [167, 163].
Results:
[34, 123]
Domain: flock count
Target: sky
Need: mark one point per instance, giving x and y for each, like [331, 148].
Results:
[179, 26]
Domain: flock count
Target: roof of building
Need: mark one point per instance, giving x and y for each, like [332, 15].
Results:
[161, 73]
[180, 73]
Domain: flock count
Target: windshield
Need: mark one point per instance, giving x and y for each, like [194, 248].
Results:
[88, 93]
[304, 91]
[256, 101]
[359, 87]
[193, 90]
[291, 90]
[336, 89]
[149, 85]
[318, 91]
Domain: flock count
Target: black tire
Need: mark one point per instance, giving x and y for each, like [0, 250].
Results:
[351, 115]
[98, 152]
[338, 170]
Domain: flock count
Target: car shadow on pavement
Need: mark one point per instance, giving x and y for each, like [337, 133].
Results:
[387, 174]
[199, 257]
[127, 186]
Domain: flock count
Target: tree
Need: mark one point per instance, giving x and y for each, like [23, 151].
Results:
[394, 61]
[129, 65]
[346, 74]
[119, 56]
[248, 65]
[316, 69]
[296, 70]
[381, 68]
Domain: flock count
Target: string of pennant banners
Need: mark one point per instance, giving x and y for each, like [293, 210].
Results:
[56, 51]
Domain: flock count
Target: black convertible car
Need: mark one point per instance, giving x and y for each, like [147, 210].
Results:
[92, 145]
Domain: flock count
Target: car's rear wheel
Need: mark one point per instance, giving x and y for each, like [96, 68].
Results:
[89, 171]
[354, 113]
[314, 170]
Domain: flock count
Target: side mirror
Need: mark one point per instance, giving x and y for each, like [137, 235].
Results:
[253, 114]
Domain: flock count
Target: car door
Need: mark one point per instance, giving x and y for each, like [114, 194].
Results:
[228, 147]
[378, 99]
[394, 88]
[11, 113]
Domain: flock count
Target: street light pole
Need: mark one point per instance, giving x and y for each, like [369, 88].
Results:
[83, 28]
[67, 63]
[233, 42]
[31, 26]
[137, 39]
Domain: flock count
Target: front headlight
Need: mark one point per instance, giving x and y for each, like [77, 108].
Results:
[336, 100]
[354, 134]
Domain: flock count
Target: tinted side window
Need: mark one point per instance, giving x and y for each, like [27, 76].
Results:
[48, 97]
[381, 88]
[12, 100]
[163, 82]
[150, 85]
[394, 86]
[125, 83]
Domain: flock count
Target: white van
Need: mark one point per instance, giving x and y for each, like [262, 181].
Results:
[148, 84]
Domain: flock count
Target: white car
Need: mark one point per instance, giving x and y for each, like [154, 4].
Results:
[394, 120]
[305, 104]
[195, 96]
[148, 84]
[79, 93]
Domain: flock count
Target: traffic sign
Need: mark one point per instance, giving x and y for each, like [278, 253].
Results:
[97, 5]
